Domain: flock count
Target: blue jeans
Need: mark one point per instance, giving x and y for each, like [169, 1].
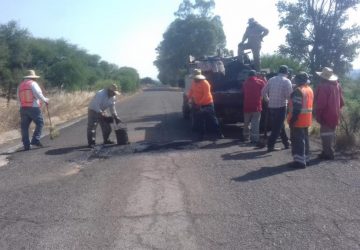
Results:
[277, 116]
[27, 115]
[206, 121]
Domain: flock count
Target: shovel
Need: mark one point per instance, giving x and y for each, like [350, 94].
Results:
[53, 131]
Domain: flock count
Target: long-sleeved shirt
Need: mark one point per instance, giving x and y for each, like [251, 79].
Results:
[252, 94]
[200, 93]
[37, 92]
[277, 91]
[101, 101]
[328, 103]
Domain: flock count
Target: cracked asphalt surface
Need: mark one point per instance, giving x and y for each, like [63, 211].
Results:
[168, 191]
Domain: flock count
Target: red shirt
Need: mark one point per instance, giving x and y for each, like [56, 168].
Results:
[252, 94]
[328, 103]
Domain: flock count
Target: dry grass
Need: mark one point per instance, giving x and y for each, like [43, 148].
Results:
[63, 107]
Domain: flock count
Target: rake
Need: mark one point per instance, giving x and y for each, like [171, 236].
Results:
[53, 131]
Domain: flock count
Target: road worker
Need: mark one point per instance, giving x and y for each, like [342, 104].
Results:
[300, 119]
[30, 97]
[252, 39]
[328, 103]
[104, 99]
[205, 119]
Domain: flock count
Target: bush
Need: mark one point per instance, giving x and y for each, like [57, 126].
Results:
[100, 84]
[349, 129]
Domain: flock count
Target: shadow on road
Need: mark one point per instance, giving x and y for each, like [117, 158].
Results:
[263, 173]
[245, 155]
[61, 151]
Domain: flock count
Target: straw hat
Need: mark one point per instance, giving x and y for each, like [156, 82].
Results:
[31, 74]
[113, 87]
[197, 75]
[328, 74]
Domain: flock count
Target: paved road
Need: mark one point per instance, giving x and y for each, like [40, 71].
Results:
[166, 191]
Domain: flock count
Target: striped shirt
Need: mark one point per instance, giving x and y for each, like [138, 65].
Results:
[277, 91]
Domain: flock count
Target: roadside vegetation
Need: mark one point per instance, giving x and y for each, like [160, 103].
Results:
[69, 76]
[63, 107]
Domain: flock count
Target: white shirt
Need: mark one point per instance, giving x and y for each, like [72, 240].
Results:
[37, 92]
[102, 101]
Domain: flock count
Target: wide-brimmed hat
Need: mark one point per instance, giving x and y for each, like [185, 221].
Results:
[199, 77]
[196, 74]
[301, 78]
[31, 74]
[113, 87]
[328, 74]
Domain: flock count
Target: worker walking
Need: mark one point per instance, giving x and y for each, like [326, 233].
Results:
[300, 119]
[252, 39]
[104, 99]
[30, 97]
[201, 98]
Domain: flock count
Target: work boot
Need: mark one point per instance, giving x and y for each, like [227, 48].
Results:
[273, 149]
[323, 156]
[109, 142]
[297, 164]
[38, 144]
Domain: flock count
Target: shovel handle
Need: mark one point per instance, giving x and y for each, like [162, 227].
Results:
[47, 108]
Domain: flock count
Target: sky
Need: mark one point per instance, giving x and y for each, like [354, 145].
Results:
[126, 32]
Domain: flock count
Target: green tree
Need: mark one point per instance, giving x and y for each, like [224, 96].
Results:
[318, 35]
[129, 79]
[273, 62]
[194, 32]
[15, 55]
[60, 63]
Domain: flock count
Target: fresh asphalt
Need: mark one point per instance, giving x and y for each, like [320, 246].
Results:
[166, 190]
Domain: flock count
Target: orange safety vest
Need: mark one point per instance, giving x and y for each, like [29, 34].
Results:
[26, 95]
[304, 119]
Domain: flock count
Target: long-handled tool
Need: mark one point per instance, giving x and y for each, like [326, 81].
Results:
[53, 131]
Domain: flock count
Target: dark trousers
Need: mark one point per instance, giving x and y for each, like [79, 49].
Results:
[27, 115]
[205, 121]
[93, 119]
[277, 118]
[300, 148]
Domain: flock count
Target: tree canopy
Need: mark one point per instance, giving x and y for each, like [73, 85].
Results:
[318, 35]
[194, 32]
[60, 64]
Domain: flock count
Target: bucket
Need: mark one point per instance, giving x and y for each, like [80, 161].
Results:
[122, 136]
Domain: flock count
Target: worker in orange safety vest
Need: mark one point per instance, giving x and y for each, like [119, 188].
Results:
[30, 98]
[300, 119]
[205, 120]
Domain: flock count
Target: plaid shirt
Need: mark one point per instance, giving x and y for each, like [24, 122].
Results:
[277, 90]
